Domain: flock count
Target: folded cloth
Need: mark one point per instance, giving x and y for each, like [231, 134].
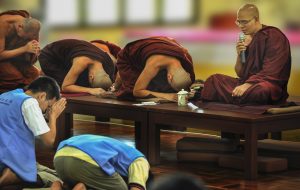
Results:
[47, 175]
[206, 143]
[156, 100]
[251, 109]
[281, 149]
[283, 110]
[264, 164]
[183, 156]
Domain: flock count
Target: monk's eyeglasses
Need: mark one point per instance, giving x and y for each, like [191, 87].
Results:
[243, 22]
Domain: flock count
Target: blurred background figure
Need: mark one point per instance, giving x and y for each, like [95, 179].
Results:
[19, 47]
[178, 181]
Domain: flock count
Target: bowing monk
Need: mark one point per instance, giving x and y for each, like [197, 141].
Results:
[19, 48]
[264, 76]
[154, 67]
[80, 66]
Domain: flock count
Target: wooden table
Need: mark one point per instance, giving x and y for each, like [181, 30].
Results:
[107, 108]
[250, 125]
[148, 119]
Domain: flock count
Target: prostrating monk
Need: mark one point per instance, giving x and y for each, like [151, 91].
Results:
[154, 67]
[264, 76]
[80, 66]
[19, 48]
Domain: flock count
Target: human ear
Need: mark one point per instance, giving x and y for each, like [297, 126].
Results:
[170, 77]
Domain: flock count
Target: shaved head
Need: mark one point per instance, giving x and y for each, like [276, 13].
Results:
[250, 9]
[180, 80]
[31, 25]
[101, 80]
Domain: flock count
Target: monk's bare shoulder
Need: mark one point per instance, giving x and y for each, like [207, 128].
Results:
[160, 60]
[11, 18]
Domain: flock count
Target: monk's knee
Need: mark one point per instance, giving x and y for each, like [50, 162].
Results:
[259, 93]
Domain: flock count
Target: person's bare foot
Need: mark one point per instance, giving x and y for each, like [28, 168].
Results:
[56, 185]
[79, 186]
[8, 177]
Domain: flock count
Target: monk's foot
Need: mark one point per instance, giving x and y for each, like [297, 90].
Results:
[8, 177]
[56, 185]
[79, 186]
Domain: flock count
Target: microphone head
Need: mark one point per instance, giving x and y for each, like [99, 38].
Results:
[241, 37]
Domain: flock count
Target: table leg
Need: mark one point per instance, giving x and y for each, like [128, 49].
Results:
[154, 142]
[141, 137]
[64, 125]
[250, 163]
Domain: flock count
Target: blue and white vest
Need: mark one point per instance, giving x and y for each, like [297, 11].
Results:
[16, 140]
[110, 154]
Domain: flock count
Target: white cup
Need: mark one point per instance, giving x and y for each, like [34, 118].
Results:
[182, 97]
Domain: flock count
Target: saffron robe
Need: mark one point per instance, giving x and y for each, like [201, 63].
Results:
[132, 59]
[19, 71]
[267, 68]
[56, 59]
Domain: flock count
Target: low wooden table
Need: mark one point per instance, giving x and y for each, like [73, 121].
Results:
[106, 108]
[250, 125]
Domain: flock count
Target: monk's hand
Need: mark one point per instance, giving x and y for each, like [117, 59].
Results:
[240, 46]
[240, 90]
[33, 47]
[96, 91]
[170, 96]
[57, 108]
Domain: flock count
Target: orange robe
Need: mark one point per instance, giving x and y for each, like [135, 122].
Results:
[267, 68]
[132, 59]
[19, 71]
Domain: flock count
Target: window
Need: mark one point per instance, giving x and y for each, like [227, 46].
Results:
[116, 12]
[177, 10]
[58, 14]
[140, 11]
[102, 12]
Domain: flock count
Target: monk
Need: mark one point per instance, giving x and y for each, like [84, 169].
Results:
[264, 76]
[154, 67]
[19, 47]
[80, 66]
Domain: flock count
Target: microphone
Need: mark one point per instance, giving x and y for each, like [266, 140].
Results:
[242, 54]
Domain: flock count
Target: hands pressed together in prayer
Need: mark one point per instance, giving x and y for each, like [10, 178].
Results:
[33, 47]
[240, 90]
[57, 108]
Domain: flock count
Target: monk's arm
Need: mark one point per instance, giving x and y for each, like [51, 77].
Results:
[78, 66]
[31, 47]
[238, 65]
[140, 88]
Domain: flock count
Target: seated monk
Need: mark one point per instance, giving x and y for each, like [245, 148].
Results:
[80, 66]
[153, 67]
[19, 48]
[264, 76]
